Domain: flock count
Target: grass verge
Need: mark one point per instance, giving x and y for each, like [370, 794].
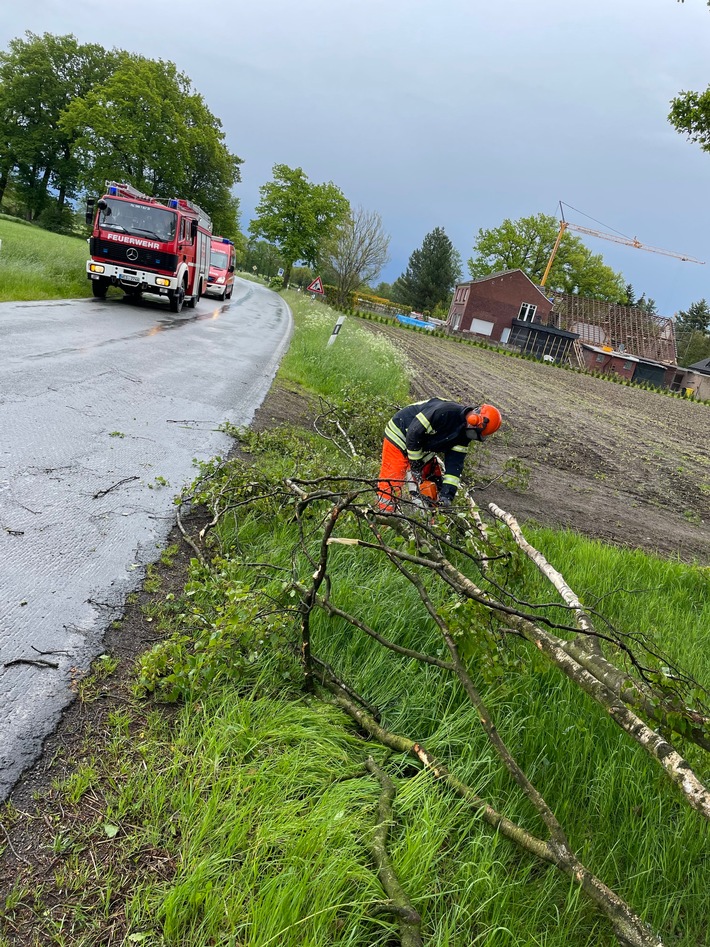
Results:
[244, 817]
[37, 264]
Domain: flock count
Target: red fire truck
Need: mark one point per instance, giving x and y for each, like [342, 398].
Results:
[220, 282]
[146, 245]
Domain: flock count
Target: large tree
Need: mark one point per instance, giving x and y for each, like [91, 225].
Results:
[297, 215]
[356, 253]
[527, 244]
[431, 273]
[147, 125]
[39, 77]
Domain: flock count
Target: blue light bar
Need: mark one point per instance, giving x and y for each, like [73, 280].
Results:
[113, 190]
[225, 240]
[173, 202]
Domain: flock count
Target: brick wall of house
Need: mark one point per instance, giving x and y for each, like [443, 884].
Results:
[496, 301]
[610, 363]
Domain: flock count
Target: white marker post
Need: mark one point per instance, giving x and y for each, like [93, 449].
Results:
[336, 330]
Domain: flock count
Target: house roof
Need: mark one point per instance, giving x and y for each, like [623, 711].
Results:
[702, 366]
[491, 276]
[611, 354]
[627, 356]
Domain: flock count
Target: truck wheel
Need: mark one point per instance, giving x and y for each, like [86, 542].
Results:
[99, 287]
[177, 298]
[229, 294]
[196, 296]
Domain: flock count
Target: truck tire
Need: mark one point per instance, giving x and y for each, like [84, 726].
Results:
[195, 298]
[99, 287]
[177, 298]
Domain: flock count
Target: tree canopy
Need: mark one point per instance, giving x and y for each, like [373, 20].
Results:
[690, 115]
[163, 138]
[527, 244]
[431, 273]
[297, 215]
[39, 77]
[73, 116]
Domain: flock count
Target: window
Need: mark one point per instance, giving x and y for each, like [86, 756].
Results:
[456, 320]
[628, 365]
[600, 358]
[186, 231]
[527, 312]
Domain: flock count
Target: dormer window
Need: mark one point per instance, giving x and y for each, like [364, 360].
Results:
[527, 312]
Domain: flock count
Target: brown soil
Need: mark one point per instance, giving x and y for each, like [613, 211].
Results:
[620, 464]
[616, 463]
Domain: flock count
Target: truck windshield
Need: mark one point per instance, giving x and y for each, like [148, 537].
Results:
[128, 217]
[219, 259]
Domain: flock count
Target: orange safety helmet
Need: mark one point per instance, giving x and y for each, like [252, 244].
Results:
[484, 420]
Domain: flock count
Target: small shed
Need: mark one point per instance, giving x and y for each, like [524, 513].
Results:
[632, 367]
[599, 358]
[696, 379]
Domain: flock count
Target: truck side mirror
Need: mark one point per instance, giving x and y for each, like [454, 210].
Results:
[90, 202]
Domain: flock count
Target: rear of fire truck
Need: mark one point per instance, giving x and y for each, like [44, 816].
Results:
[145, 245]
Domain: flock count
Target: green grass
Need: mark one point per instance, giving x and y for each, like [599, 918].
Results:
[254, 800]
[357, 359]
[37, 264]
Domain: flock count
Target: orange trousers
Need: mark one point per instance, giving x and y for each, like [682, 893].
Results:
[393, 473]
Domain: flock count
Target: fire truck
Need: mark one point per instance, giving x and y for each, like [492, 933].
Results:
[145, 244]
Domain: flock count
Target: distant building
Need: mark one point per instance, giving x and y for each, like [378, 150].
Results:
[509, 308]
[696, 379]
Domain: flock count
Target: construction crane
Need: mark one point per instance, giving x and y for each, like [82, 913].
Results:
[615, 238]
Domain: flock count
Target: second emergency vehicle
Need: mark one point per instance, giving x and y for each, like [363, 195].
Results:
[220, 281]
[145, 245]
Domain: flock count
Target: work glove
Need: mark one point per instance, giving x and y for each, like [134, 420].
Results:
[445, 503]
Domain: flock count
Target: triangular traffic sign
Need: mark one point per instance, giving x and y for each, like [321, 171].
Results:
[316, 286]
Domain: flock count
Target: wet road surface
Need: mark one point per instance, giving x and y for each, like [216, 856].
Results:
[103, 406]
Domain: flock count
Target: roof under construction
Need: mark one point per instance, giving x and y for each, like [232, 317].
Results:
[623, 328]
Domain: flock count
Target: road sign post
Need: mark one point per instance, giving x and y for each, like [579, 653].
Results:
[316, 287]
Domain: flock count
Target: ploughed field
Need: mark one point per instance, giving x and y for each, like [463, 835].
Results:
[617, 463]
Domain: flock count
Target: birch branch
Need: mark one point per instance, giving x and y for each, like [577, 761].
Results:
[630, 930]
[408, 919]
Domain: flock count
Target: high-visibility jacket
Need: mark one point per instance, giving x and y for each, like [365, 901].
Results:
[427, 428]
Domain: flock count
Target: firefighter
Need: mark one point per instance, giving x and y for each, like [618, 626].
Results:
[415, 435]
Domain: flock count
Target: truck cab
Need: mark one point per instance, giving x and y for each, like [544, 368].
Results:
[220, 279]
[142, 244]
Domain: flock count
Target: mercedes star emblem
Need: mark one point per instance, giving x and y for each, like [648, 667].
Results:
[132, 253]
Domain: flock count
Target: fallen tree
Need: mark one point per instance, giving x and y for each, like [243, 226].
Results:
[457, 564]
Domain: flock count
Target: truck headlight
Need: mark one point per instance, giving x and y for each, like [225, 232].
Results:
[96, 268]
[161, 281]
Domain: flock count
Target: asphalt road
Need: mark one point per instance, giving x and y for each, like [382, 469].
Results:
[103, 406]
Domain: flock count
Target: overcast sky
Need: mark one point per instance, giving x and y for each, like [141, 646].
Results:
[456, 113]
